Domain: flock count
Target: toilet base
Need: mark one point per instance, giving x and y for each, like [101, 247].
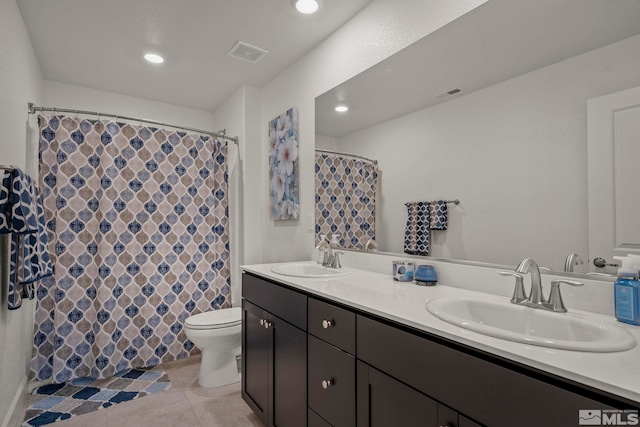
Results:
[219, 368]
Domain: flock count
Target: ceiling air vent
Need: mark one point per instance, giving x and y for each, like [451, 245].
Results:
[448, 93]
[246, 52]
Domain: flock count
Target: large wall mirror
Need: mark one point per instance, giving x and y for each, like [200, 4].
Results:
[491, 110]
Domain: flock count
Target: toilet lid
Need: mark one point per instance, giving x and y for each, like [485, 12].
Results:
[215, 319]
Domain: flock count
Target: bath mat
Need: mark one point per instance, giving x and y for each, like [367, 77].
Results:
[56, 402]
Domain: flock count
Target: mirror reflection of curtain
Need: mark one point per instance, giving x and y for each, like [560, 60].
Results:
[138, 230]
[346, 199]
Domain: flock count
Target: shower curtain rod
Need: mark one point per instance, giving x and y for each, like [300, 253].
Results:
[375, 162]
[221, 134]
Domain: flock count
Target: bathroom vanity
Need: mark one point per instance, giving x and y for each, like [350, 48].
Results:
[361, 350]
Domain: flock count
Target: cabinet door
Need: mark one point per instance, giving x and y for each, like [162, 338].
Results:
[466, 422]
[316, 420]
[447, 417]
[384, 401]
[288, 374]
[332, 385]
[255, 355]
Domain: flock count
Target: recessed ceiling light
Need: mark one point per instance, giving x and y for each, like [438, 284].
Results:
[341, 108]
[153, 58]
[307, 6]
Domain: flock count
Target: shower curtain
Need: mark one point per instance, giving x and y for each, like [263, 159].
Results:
[138, 228]
[346, 199]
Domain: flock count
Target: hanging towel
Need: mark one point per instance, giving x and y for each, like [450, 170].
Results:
[5, 209]
[22, 215]
[439, 217]
[19, 204]
[416, 237]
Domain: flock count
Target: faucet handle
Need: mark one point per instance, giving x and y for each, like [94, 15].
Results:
[567, 282]
[555, 298]
[519, 294]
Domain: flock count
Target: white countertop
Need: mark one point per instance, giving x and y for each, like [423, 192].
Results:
[617, 373]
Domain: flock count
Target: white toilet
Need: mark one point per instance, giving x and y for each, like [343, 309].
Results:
[218, 334]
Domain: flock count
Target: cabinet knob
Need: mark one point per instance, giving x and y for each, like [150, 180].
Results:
[267, 324]
[261, 322]
[327, 383]
[327, 324]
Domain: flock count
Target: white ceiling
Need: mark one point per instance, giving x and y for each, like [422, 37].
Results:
[498, 40]
[100, 43]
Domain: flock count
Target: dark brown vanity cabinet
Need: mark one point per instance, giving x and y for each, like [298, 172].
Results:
[481, 387]
[274, 348]
[310, 362]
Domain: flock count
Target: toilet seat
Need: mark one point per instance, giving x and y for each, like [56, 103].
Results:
[215, 319]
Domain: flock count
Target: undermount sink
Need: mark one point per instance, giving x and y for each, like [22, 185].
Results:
[567, 331]
[309, 270]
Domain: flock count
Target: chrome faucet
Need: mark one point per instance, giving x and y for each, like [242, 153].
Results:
[371, 245]
[528, 265]
[331, 258]
[536, 297]
[572, 259]
[325, 247]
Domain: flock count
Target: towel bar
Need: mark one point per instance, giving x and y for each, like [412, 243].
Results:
[455, 202]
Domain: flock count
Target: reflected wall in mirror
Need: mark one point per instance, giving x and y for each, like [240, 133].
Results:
[491, 110]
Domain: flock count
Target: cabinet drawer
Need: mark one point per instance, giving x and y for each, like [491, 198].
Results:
[333, 324]
[484, 390]
[335, 399]
[285, 303]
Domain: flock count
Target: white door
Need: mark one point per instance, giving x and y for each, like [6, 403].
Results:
[614, 176]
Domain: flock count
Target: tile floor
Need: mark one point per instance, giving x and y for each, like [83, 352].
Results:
[184, 404]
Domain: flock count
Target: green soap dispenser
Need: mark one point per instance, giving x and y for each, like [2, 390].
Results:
[626, 295]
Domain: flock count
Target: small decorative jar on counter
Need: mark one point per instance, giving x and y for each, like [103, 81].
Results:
[403, 271]
[426, 275]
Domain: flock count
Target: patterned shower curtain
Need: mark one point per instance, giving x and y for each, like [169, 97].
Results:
[346, 199]
[138, 229]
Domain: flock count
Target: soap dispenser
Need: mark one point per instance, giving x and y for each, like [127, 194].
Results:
[626, 292]
[335, 241]
[320, 254]
[635, 262]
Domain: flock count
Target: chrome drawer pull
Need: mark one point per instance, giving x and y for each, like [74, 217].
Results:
[327, 324]
[327, 383]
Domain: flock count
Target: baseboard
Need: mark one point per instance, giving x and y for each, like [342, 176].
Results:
[15, 416]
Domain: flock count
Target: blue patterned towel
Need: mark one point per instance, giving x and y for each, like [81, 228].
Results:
[439, 217]
[417, 234]
[17, 214]
[5, 207]
[22, 215]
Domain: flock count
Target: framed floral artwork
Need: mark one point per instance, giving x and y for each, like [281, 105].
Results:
[283, 166]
